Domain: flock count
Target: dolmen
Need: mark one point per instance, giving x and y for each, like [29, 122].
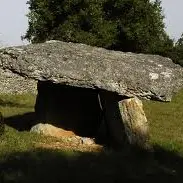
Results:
[82, 88]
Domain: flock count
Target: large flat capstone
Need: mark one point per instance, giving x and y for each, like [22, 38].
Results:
[127, 74]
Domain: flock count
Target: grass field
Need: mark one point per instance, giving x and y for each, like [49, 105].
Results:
[23, 162]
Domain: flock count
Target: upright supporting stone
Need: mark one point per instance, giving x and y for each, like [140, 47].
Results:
[112, 117]
[125, 120]
[135, 122]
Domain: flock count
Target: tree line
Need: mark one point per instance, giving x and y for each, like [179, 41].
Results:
[126, 25]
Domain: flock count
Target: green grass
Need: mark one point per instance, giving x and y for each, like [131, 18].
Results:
[13, 140]
[11, 105]
[21, 161]
[166, 122]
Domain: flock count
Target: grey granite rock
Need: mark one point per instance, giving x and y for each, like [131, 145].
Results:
[128, 74]
[13, 83]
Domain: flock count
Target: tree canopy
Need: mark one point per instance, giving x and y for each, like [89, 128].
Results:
[177, 53]
[127, 25]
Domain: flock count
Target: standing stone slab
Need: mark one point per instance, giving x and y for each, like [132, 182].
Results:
[125, 120]
[135, 122]
[112, 117]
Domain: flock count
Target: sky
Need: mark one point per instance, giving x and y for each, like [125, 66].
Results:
[173, 17]
[13, 20]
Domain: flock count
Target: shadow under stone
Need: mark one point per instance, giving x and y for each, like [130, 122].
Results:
[71, 108]
[22, 122]
[86, 112]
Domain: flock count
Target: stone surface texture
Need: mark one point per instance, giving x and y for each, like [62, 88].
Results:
[12, 83]
[50, 130]
[135, 122]
[128, 74]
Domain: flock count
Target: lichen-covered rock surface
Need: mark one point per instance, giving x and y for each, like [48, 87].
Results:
[13, 83]
[50, 130]
[128, 74]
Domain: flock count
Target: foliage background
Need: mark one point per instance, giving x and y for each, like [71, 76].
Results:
[125, 25]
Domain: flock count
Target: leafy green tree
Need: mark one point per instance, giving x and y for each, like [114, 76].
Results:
[127, 25]
[177, 54]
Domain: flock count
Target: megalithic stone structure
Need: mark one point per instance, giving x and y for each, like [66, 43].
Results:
[118, 78]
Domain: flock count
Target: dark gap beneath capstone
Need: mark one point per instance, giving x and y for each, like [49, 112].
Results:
[70, 108]
[87, 112]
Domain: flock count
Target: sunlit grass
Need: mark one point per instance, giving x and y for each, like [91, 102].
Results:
[166, 122]
[11, 105]
[21, 161]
